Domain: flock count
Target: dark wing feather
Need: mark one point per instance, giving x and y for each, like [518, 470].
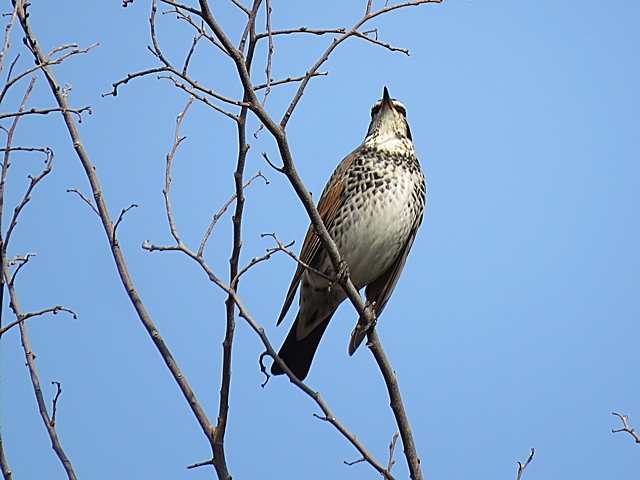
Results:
[381, 289]
[331, 201]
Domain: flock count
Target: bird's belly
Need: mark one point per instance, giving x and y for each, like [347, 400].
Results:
[371, 236]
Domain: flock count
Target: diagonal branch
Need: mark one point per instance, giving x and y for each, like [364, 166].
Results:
[6, 471]
[625, 426]
[107, 224]
[522, 466]
[45, 111]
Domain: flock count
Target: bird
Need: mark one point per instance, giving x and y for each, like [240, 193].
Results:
[372, 207]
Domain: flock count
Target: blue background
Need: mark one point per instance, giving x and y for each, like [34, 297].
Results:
[515, 323]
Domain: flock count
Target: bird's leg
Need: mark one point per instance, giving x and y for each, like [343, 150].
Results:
[341, 276]
[370, 308]
[343, 273]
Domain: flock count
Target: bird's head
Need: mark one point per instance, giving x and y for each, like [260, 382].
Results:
[388, 121]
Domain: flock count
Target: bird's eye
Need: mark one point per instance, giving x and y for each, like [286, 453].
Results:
[375, 109]
[401, 109]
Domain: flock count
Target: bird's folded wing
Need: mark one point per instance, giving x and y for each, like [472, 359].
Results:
[330, 202]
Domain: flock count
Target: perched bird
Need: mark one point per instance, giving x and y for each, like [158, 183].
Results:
[372, 207]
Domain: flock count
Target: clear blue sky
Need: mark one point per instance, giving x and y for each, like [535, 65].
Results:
[516, 322]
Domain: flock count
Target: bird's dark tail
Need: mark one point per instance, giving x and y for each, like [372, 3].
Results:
[298, 354]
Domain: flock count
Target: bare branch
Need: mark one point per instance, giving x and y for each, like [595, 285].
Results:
[131, 76]
[190, 53]
[337, 41]
[166, 192]
[366, 456]
[368, 10]
[5, 166]
[392, 447]
[6, 471]
[86, 200]
[54, 310]
[54, 403]
[186, 8]
[45, 111]
[522, 466]
[241, 7]
[47, 61]
[270, 50]
[271, 164]
[314, 31]
[626, 427]
[382, 44]
[202, 98]
[267, 70]
[27, 195]
[200, 464]
[45, 150]
[284, 248]
[107, 224]
[289, 79]
[395, 400]
[202, 32]
[120, 217]
[7, 35]
[223, 209]
[353, 462]
[169, 68]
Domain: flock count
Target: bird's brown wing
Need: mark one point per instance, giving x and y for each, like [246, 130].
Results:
[331, 201]
[381, 289]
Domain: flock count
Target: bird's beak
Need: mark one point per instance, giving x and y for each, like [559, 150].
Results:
[386, 99]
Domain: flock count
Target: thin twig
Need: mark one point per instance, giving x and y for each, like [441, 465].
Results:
[284, 248]
[267, 70]
[200, 464]
[182, 6]
[202, 32]
[271, 164]
[120, 217]
[131, 76]
[223, 209]
[626, 427]
[45, 150]
[7, 35]
[346, 462]
[45, 111]
[54, 310]
[522, 466]
[4, 465]
[21, 261]
[86, 200]
[202, 98]
[337, 41]
[54, 403]
[382, 44]
[5, 166]
[289, 79]
[241, 7]
[314, 31]
[392, 447]
[166, 192]
[195, 41]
